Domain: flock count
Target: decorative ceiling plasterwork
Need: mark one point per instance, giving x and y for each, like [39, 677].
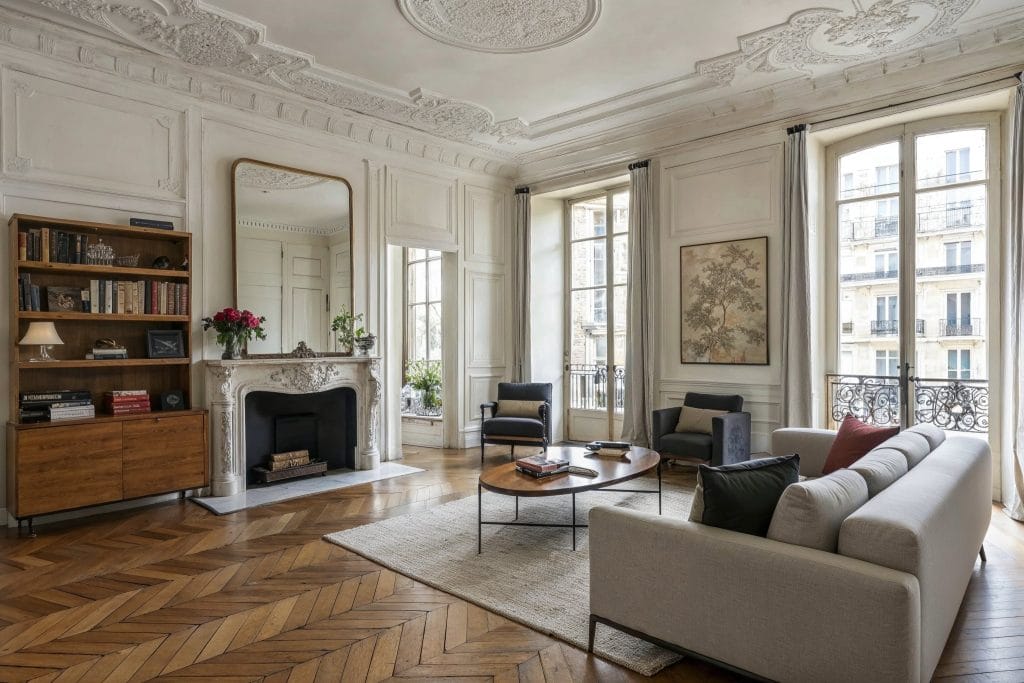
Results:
[265, 178]
[822, 36]
[502, 25]
[805, 45]
[270, 226]
[191, 32]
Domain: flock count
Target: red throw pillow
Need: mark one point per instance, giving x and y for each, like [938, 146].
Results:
[853, 440]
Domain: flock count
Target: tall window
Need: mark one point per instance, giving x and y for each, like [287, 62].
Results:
[597, 268]
[912, 202]
[423, 297]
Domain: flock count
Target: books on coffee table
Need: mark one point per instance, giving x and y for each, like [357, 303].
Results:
[611, 449]
[541, 463]
[543, 475]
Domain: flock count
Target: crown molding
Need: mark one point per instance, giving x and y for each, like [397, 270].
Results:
[271, 226]
[951, 65]
[27, 34]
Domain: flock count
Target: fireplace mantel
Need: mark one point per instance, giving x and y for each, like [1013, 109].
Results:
[229, 381]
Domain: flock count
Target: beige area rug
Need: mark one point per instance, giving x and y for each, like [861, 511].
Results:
[529, 575]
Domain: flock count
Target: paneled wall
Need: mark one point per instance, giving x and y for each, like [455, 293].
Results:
[712, 193]
[82, 143]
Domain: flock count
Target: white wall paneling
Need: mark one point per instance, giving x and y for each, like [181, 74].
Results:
[61, 133]
[420, 208]
[486, 316]
[484, 210]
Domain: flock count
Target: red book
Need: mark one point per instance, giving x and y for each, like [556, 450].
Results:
[126, 399]
[126, 406]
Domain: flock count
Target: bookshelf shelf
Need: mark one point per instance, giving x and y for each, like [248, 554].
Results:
[68, 464]
[112, 271]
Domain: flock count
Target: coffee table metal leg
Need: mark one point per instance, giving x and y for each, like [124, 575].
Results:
[479, 518]
[659, 488]
[517, 507]
[574, 521]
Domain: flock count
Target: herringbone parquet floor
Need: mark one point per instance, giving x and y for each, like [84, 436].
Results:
[173, 593]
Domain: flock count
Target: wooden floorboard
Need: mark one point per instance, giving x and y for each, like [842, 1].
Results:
[172, 592]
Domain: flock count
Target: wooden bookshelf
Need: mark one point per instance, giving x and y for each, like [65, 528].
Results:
[106, 458]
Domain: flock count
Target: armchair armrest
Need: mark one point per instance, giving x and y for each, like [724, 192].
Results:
[730, 438]
[664, 422]
[493, 405]
[748, 601]
[812, 444]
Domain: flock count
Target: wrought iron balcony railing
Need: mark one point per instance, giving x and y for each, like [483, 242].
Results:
[959, 215]
[890, 328]
[959, 327]
[588, 386]
[921, 272]
[959, 405]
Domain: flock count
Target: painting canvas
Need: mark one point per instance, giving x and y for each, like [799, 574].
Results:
[724, 302]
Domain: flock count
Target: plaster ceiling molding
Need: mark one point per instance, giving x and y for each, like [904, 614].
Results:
[192, 32]
[269, 226]
[823, 36]
[506, 26]
[266, 178]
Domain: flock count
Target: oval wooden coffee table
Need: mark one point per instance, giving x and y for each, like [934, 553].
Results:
[507, 481]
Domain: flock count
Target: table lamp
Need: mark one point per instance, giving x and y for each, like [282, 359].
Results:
[43, 334]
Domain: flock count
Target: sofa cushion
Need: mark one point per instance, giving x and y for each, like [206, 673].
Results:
[811, 512]
[880, 469]
[933, 434]
[742, 497]
[519, 408]
[686, 445]
[912, 445]
[697, 420]
[853, 440]
[513, 426]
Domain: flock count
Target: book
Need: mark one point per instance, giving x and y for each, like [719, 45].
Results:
[618, 445]
[608, 453]
[22, 246]
[110, 356]
[72, 413]
[543, 475]
[120, 393]
[36, 299]
[86, 301]
[150, 223]
[44, 245]
[541, 463]
[56, 395]
[42, 405]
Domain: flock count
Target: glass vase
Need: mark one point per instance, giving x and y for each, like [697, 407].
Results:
[232, 349]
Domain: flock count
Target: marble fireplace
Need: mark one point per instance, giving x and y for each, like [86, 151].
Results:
[229, 384]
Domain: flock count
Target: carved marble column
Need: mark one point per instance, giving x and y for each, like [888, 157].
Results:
[220, 398]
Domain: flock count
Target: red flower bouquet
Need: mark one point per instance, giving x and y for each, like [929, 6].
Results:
[235, 327]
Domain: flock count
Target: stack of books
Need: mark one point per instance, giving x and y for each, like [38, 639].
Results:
[126, 402]
[542, 466]
[66, 404]
[284, 461]
[29, 297]
[608, 449]
[111, 353]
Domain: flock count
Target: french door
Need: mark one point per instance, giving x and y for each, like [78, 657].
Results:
[911, 214]
[597, 270]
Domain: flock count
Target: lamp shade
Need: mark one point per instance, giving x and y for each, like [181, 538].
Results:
[43, 334]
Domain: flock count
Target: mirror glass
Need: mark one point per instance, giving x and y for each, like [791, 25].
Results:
[293, 253]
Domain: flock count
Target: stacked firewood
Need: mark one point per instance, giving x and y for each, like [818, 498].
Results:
[283, 461]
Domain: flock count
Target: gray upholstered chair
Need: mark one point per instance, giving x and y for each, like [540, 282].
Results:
[517, 430]
[729, 441]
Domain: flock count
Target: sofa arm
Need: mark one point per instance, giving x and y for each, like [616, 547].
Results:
[490, 405]
[730, 439]
[811, 444]
[664, 422]
[784, 612]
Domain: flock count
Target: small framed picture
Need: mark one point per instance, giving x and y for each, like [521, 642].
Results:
[64, 299]
[172, 400]
[165, 344]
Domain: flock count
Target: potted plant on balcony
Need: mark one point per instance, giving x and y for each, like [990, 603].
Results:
[234, 329]
[425, 376]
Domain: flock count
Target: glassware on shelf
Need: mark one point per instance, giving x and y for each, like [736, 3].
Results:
[131, 261]
[100, 254]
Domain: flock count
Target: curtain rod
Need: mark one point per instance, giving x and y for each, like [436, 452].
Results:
[523, 190]
[640, 164]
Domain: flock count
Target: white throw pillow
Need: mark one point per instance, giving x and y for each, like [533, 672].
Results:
[697, 419]
[881, 468]
[810, 513]
[519, 409]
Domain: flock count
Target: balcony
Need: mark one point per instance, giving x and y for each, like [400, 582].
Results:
[959, 269]
[960, 215]
[891, 328]
[870, 275]
[959, 327]
[949, 404]
[588, 386]
[887, 226]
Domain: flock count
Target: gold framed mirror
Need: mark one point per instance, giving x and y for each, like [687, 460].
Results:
[292, 252]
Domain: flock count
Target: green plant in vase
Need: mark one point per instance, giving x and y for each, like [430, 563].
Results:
[344, 326]
[425, 375]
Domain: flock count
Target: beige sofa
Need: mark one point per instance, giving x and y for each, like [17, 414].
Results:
[878, 609]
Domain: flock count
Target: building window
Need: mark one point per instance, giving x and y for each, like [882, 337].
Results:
[958, 165]
[887, 363]
[958, 253]
[958, 364]
[887, 178]
[886, 262]
[423, 302]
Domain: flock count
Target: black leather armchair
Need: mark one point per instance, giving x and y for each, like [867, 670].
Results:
[513, 431]
[729, 441]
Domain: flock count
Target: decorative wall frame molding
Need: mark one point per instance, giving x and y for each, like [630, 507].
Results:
[490, 26]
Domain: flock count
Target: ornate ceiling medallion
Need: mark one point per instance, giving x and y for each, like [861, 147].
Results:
[502, 25]
[822, 36]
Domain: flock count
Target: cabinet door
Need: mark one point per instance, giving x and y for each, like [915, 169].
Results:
[164, 454]
[60, 468]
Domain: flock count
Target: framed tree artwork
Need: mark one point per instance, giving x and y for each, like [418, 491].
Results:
[724, 302]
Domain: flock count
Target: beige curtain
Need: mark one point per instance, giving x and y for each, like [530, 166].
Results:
[1013, 364]
[641, 358]
[796, 305]
[520, 299]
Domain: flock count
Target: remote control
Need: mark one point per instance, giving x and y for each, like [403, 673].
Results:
[582, 471]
